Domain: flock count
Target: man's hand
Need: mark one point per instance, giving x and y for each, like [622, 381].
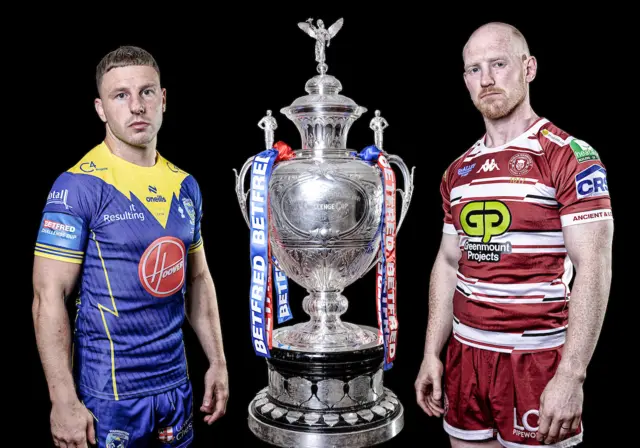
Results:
[428, 386]
[216, 393]
[560, 408]
[72, 425]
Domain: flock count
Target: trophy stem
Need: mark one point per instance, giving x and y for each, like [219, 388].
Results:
[325, 309]
[325, 331]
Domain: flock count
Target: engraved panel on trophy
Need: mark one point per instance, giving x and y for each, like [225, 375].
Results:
[324, 204]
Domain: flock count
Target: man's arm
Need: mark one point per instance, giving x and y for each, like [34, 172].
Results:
[589, 247]
[53, 281]
[442, 285]
[441, 288]
[202, 313]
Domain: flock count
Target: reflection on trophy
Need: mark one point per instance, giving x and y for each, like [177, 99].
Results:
[323, 215]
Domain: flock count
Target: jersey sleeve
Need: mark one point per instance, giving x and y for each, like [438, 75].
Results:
[64, 226]
[445, 192]
[581, 184]
[196, 244]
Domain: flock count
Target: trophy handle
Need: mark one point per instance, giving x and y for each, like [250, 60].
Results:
[242, 195]
[408, 185]
[406, 198]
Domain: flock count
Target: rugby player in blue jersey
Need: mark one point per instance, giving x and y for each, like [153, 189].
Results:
[123, 225]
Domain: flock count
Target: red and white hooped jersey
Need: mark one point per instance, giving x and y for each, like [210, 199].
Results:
[508, 205]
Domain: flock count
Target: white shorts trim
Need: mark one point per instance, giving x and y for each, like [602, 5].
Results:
[566, 443]
[465, 434]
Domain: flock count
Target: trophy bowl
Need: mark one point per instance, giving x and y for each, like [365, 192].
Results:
[326, 222]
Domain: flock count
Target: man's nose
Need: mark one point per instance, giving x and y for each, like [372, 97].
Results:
[137, 106]
[486, 78]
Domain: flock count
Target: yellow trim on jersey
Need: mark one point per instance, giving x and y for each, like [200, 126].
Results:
[196, 246]
[154, 186]
[66, 258]
[102, 309]
[59, 249]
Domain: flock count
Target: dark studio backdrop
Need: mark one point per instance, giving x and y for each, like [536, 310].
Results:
[224, 72]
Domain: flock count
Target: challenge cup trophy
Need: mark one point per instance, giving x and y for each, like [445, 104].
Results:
[323, 215]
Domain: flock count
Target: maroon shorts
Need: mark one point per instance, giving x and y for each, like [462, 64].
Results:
[489, 394]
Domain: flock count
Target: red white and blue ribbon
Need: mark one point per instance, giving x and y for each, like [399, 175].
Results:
[386, 269]
[262, 261]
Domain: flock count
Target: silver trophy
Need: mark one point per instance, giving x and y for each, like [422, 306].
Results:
[325, 376]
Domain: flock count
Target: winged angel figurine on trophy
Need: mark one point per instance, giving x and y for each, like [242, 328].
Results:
[323, 215]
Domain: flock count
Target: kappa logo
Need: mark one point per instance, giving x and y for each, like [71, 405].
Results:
[489, 165]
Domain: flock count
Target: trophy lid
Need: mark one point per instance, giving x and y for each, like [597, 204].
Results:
[323, 116]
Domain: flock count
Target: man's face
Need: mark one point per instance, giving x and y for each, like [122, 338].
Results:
[495, 75]
[132, 103]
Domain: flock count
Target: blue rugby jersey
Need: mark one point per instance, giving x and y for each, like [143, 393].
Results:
[131, 227]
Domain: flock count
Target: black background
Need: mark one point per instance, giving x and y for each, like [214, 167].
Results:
[223, 70]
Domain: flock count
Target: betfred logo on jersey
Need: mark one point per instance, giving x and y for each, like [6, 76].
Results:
[162, 266]
[592, 182]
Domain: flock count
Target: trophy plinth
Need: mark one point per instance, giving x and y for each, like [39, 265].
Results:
[326, 399]
[326, 221]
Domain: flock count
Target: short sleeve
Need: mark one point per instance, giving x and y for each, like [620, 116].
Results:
[197, 243]
[64, 226]
[580, 180]
[445, 192]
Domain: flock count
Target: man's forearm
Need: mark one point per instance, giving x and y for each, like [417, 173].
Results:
[587, 308]
[53, 337]
[441, 288]
[203, 315]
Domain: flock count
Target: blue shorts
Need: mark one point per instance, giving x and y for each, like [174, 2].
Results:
[161, 420]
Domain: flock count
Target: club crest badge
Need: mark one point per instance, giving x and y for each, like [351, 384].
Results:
[117, 439]
[191, 211]
[520, 164]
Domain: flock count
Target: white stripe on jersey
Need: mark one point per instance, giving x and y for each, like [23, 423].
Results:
[449, 228]
[524, 242]
[507, 342]
[529, 239]
[513, 292]
[528, 192]
[523, 143]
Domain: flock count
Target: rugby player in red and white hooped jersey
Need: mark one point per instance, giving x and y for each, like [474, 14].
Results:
[524, 207]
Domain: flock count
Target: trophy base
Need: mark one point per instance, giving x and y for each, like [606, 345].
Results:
[356, 436]
[326, 399]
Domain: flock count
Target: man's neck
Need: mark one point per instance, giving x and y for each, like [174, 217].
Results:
[143, 156]
[505, 129]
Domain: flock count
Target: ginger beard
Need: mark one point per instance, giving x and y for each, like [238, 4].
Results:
[499, 106]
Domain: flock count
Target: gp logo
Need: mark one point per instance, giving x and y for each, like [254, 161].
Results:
[161, 269]
[485, 218]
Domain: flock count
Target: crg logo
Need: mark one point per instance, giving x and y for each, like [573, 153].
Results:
[592, 182]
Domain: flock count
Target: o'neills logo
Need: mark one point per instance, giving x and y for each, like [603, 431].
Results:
[161, 269]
